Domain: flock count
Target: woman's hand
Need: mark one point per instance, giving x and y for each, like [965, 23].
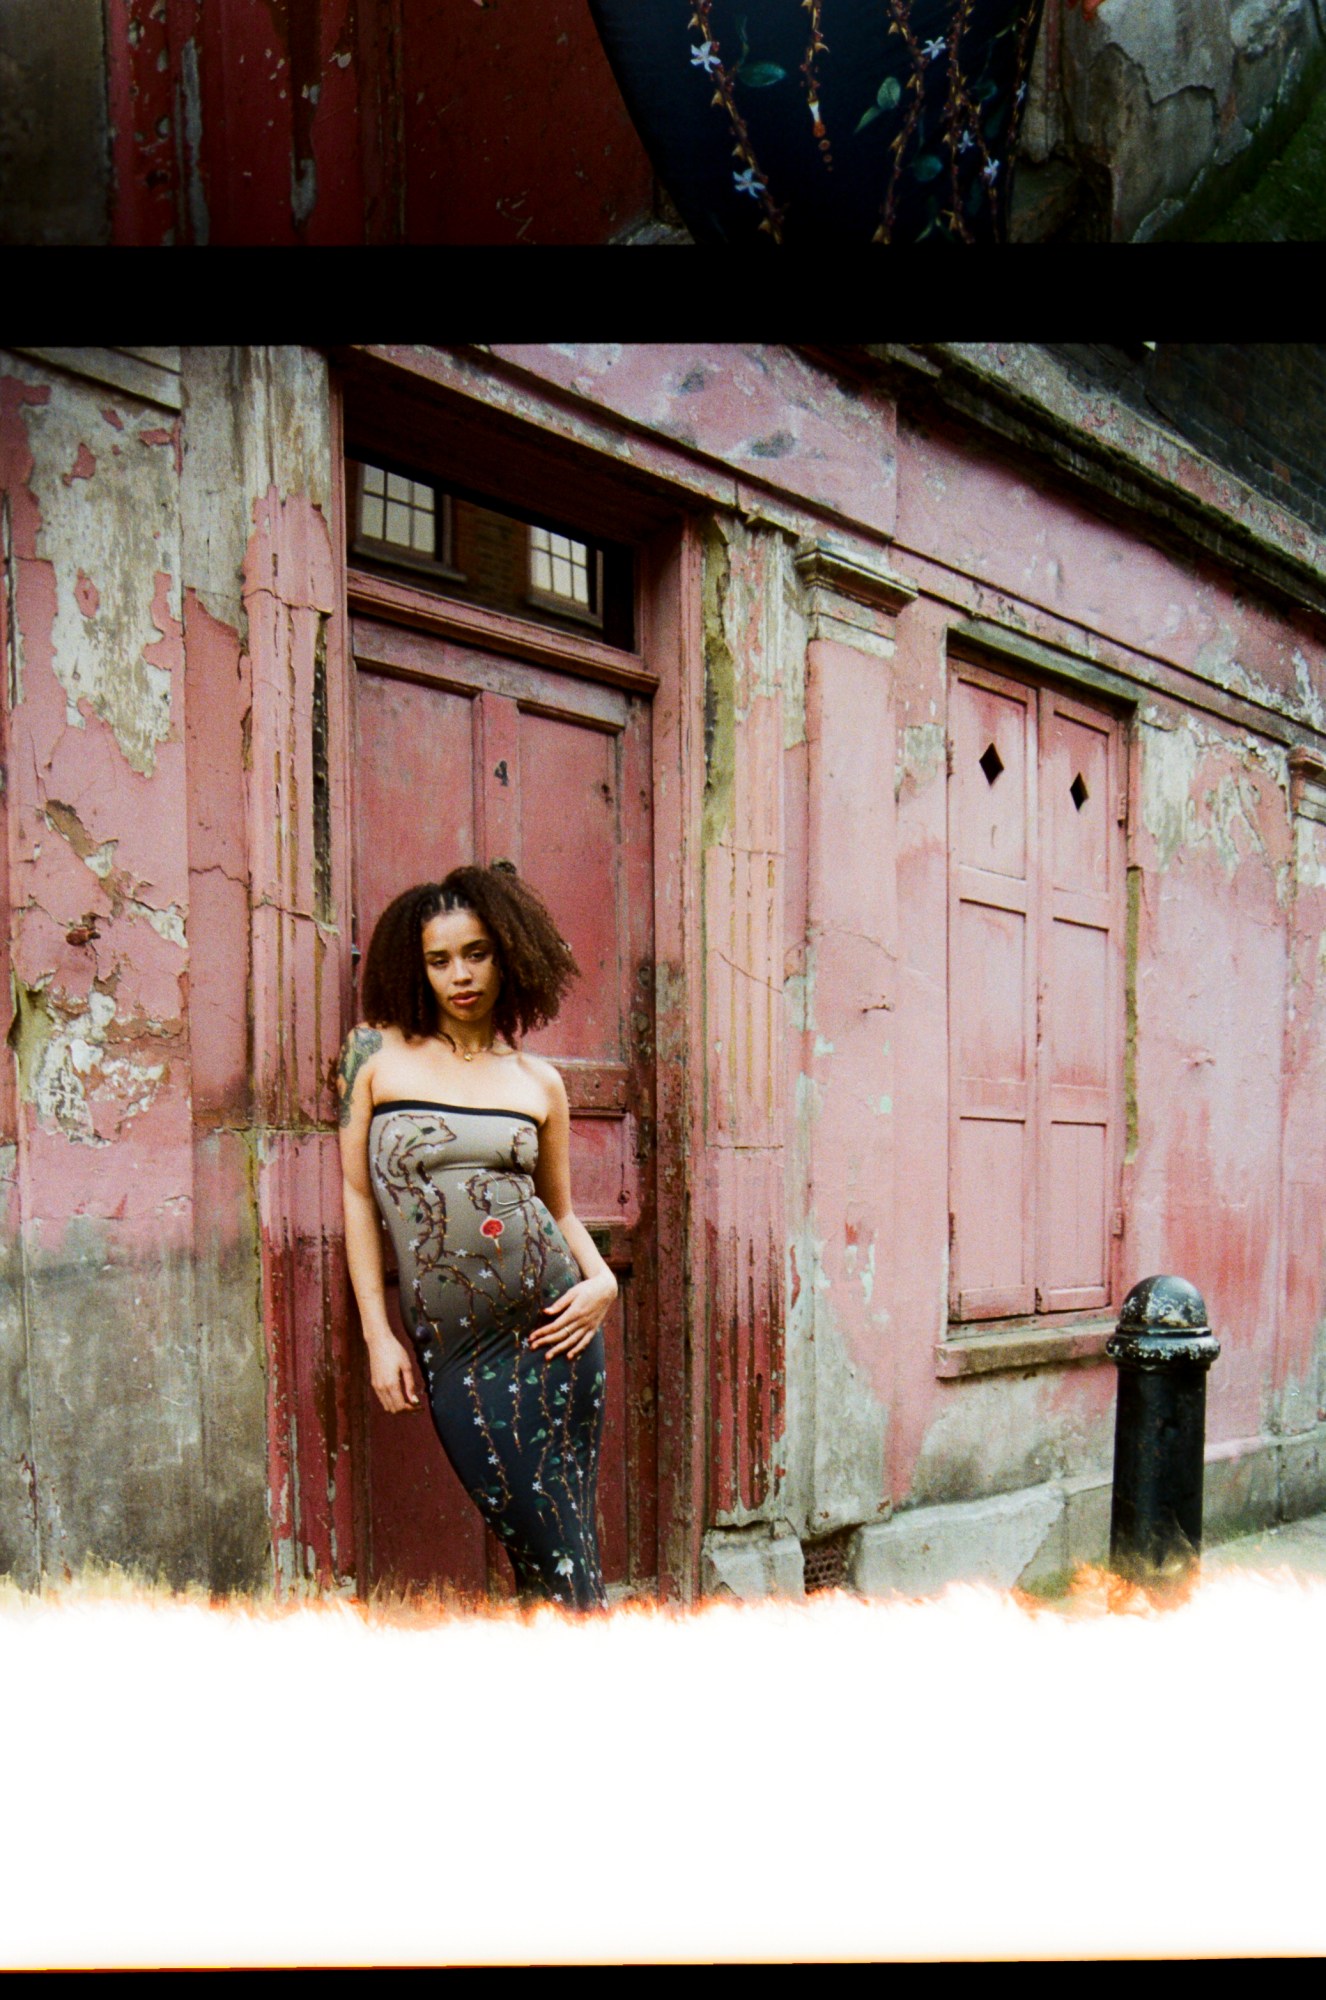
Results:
[579, 1314]
[391, 1372]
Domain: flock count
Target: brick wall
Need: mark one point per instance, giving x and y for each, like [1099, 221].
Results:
[1259, 411]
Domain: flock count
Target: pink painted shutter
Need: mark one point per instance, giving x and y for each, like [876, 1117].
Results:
[1081, 973]
[992, 994]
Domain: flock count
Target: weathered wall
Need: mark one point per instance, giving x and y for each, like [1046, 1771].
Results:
[1218, 927]
[1004, 1463]
[268, 877]
[174, 876]
[174, 1336]
[1300, 1351]
[1156, 116]
[55, 184]
[98, 883]
[1255, 408]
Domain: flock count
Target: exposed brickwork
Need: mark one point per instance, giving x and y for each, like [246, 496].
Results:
[1257, 410]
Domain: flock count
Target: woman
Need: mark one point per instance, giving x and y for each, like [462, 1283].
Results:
[462, 1141]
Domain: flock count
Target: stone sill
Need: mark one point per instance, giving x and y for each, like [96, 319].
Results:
[1022, 1347]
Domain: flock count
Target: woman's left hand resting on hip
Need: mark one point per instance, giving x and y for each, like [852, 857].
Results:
[579, 1314]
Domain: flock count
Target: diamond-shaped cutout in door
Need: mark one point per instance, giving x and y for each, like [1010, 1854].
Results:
[991, 763]
[1078, 792]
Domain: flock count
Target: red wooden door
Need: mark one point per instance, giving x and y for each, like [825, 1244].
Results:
[367, 121]
[462, 754]
[1035, 997]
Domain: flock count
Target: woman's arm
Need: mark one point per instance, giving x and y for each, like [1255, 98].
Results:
[390, 1368]
[579, 1312]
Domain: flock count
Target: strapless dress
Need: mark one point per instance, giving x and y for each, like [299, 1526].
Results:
[479, 1257]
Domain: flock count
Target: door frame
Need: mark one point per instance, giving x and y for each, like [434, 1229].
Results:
[667, 666]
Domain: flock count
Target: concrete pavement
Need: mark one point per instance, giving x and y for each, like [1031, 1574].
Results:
[1296, 1545]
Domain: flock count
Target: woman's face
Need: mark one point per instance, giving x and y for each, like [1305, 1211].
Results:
[460, 959]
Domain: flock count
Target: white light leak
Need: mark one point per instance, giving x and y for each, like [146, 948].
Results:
[964, 1777]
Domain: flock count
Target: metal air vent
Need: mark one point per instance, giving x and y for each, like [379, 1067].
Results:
[826, 1561]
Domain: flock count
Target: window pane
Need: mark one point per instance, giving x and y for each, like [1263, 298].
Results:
[398, 488]
[398, 523]
[559, 566]
[370, 517]
[373, 478]
[423, 534]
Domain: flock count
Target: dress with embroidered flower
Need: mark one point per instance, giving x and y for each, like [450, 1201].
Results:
[479, 1257]
[828, 124]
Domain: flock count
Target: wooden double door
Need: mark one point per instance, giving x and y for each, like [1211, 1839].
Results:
[464, 754]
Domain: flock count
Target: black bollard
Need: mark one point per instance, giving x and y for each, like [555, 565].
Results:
[1162, 1348]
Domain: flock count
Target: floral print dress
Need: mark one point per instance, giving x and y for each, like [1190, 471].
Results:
[479, 1257]
[828, 122]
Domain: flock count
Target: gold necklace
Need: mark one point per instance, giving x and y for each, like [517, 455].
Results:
[468, 1054]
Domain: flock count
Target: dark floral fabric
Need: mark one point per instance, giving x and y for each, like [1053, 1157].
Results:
[479, 1257]
[819, 122]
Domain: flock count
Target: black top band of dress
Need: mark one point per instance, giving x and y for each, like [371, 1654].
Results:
[435, 1104]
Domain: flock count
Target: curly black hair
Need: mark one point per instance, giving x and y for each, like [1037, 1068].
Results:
[536, 962]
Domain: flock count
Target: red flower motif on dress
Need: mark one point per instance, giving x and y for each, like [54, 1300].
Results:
[490, 1228]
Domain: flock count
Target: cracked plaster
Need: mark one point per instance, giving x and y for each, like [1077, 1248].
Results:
[1186, 804]
[108, 523]
[1164, 97]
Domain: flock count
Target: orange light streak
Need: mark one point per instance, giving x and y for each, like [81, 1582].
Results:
[970, 1776]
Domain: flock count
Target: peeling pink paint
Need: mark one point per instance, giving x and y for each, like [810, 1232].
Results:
[1049, 551]
[83, 467]
[763, 410]
[848, 1054]
[218, 697]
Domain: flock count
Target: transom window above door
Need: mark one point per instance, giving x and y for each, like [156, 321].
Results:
[563, 571]
[399, 519]
[402, 517]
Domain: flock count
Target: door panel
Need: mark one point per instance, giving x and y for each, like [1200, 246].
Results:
[463, 755]
[569, 796]
[415, 748]
[992, 995]
[1080, 917]
[1076, 1237]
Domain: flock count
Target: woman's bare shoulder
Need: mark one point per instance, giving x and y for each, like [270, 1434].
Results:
[364, 1040]
[545, 1076]
[358, 1052]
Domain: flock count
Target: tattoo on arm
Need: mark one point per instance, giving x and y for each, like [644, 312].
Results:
[360, 1044]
